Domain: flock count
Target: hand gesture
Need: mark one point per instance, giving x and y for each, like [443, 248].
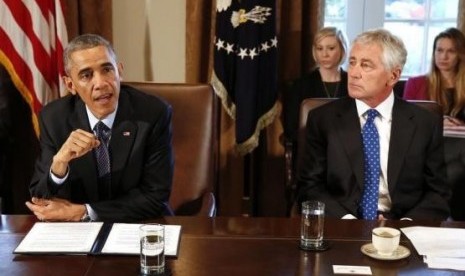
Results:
[56, 209]
[78, 143]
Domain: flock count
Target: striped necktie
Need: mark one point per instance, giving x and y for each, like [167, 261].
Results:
[102, 155]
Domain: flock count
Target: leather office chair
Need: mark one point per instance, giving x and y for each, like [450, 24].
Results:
[305, 107]
[291, 168]
[195, 144]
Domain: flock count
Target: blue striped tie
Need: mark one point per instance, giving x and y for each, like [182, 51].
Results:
[369, 204]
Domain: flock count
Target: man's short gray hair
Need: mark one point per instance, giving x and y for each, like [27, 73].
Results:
[394, 52]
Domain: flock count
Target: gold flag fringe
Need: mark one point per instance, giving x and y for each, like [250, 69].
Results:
[250, 144]
[25, 93]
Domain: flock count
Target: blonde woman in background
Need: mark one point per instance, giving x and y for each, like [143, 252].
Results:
[327, 80]
[445, 83]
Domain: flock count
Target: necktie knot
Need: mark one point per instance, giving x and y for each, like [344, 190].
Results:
[371, 115]
[103, 132]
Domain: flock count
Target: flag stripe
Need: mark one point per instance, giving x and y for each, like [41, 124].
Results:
[21, 47]
[62, 35]
[39, 53]
[33, 35]
[41, 14]
[19, 68]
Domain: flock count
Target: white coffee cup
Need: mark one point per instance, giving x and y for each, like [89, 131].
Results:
[385, 240]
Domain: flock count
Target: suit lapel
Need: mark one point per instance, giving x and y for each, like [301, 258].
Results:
[85, 166]
[349, 132]
[123, 135]
[402, 129]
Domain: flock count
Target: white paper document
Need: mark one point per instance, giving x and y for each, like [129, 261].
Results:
[445, 263]
[441, 247]
[124, 239]
[60, 237]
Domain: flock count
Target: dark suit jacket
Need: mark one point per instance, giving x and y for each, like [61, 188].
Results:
[332, 168]
[140, 150]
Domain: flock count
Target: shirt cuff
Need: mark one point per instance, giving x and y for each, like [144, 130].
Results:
[349, 216]
[57, 180]
[91, 212]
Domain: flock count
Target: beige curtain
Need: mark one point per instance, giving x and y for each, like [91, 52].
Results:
[89, 16]
[260, 176]
[200, 22]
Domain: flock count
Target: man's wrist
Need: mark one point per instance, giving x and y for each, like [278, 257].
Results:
[85, 217]
[59, 168]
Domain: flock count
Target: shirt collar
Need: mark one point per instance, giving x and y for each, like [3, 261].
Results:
[384, 108]
[108, 121]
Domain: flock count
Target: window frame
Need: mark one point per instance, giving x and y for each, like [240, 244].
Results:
[368, 14]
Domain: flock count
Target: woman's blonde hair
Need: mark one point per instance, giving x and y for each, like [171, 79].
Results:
[338, 34]
[436, 89]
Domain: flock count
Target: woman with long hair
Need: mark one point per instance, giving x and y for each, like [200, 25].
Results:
[445, 83]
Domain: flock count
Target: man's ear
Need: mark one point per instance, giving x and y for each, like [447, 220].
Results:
[69, 85]
[395, 76]
[120, 70]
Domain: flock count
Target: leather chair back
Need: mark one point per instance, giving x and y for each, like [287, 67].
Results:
[305, 107]
[195, 144]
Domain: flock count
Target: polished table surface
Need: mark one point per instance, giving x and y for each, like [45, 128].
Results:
[227, 246]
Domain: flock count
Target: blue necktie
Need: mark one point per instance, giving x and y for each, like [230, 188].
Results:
[102, 155]
[369, 204]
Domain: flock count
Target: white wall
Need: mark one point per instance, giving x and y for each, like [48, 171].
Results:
[149, 38]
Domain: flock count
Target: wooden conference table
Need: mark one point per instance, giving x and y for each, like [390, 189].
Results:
[227, 246]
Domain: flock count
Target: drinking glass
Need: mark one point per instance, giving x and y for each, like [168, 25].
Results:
[312, 224]
[152, 249]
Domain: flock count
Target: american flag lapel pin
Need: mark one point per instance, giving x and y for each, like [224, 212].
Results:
[126, 133]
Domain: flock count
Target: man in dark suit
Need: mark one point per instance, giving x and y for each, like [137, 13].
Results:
[410, 180]
[68, 184]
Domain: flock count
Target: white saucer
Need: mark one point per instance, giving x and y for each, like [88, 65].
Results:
[400, 253]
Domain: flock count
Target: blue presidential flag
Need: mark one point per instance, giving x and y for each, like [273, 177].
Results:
[245, 66]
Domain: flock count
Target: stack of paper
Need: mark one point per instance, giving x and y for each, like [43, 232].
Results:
[454, 131]
[442, 248]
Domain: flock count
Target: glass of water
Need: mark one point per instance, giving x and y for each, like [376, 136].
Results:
[152, 249]
[312, 225]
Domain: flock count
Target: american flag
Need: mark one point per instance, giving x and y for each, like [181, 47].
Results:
[32, 38]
